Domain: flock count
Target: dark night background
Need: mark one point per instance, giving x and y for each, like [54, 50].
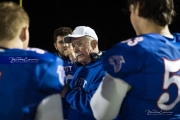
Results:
[106, 17]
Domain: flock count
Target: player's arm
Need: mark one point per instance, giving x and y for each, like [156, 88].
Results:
[120, 65]
[107, 100]
[49, 73]
[53, 78]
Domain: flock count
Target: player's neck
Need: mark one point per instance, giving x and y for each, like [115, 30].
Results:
[11, 44]
[149, 27]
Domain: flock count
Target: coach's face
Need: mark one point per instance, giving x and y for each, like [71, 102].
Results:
[82, 49]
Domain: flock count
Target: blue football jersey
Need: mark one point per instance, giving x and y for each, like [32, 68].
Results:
[26, 77]
[150, 64]
[70, 69]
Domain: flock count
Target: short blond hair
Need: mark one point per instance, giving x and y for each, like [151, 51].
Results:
[12, 19]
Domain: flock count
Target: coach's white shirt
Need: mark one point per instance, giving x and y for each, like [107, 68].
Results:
[107, 100]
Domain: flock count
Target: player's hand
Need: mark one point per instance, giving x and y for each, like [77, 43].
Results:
[66, 88]
[69, 52]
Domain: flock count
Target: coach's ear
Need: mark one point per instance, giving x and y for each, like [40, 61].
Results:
[94, 44]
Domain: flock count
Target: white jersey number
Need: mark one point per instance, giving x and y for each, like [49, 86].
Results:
[60, 71]
[170, 66]
[133, 42]
[68, 78]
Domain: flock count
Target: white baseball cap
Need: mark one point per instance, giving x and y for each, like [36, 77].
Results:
[81, 31]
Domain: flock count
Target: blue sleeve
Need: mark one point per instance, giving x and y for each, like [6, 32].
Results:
[80, 100]
[119, 63]
[54, 77]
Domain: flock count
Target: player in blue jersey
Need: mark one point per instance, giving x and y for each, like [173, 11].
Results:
[88, 75]
[65, 51]
[142, 80]
[27, 75]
